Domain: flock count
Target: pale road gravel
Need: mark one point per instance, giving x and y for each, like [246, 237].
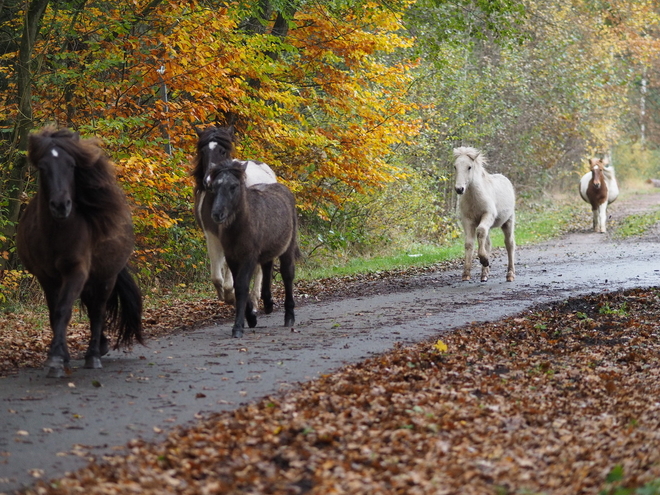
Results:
[50, 426]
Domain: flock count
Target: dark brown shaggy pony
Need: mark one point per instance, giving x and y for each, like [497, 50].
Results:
[215, 148]
[259, 224]
[76, 236]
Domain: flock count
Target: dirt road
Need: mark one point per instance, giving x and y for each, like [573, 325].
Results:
[52, 426]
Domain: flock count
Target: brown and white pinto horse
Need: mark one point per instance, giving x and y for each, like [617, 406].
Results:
[599, 188]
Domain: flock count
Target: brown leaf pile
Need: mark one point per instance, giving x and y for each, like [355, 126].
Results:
[546, 402]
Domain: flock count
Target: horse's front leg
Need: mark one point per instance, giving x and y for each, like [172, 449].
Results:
[469, 251]
[596, 219]
[96, 299]
[220, 273]
[484, 255]
[602, 218]
[242, 274]
[60, 304]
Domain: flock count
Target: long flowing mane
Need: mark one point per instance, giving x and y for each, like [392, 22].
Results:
[98, 197]
[224, 136]
[475, 155]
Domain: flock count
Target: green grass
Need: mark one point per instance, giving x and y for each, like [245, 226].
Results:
[636, 224]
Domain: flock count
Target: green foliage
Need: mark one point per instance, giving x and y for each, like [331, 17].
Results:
[635, 160]
[635, 225]
[615, 480]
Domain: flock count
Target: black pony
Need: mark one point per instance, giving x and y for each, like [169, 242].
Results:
[76, 236]
[259, 224]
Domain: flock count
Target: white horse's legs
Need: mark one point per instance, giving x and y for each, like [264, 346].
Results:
[483, 237]
[596, 220]
[255, 291]
[469, 252]
[601, 212]
[220, 273]
[510, 243]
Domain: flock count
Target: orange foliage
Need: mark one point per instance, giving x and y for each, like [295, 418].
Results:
[325, 113]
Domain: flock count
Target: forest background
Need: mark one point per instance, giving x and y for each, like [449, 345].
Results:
[355, 104]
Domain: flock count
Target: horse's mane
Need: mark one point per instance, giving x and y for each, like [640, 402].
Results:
[224, 136]
[474, 154]
[98, 197]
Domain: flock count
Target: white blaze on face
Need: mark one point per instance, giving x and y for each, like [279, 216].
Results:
[213, 145]
[54, 153]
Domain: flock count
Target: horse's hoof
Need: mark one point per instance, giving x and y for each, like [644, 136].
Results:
[484, 279]
[251, 317]
[466, 278]
[268, 307]
[510, 278]
[289, 322]
[54, 372]
[229, 297]
[237, 333]
[93, 363]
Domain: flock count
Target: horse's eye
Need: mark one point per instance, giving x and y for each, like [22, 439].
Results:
[470, 167]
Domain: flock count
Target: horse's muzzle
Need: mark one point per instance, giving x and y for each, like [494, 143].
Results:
[459, 189]
[60, 210]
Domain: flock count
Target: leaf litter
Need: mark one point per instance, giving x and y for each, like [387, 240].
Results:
[562, 399]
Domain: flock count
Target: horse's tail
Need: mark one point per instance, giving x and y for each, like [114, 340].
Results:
[125, 309]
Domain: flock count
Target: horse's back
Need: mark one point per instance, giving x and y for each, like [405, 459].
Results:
[612, 185]
[28, 241]
[274, 214]
[258, 173]
[505, 199]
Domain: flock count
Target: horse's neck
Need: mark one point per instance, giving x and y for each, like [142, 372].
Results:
[478, 185]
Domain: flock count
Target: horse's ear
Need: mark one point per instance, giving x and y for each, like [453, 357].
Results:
[198, 130]
[606, 161]
[242, 166]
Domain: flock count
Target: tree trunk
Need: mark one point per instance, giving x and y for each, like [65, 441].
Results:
[16, 160]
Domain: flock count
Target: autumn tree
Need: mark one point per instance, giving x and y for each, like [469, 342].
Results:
[315, 96]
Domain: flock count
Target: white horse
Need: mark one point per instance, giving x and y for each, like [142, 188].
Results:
[214, 151]
[486, 201]
[599, 188]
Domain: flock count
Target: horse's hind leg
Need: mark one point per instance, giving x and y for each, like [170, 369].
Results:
[288, 272]
[510, 243]
[267, 279]
[95, 299]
